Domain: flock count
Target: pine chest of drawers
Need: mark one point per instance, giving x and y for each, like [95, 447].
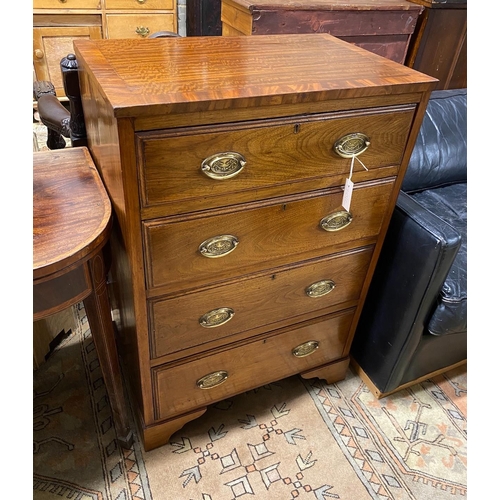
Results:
[235, 259]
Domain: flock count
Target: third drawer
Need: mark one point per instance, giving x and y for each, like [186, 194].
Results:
[270, 299]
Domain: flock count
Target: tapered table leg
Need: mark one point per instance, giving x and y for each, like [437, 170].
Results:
[99, 315]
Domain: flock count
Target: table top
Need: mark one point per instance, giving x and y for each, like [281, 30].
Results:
[190, 74]
[327, 4]
[71, 209]
[442, 4]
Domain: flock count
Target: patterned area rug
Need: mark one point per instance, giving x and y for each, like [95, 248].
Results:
[295, 439]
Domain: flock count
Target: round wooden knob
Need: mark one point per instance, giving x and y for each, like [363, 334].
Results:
[39, 54]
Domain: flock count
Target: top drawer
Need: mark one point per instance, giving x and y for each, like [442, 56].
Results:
[279, 157]
[140, 4]
[67, 4]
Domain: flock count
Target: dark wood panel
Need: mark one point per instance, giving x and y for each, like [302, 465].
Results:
[203, 18]
[383, 26]
[439, 46]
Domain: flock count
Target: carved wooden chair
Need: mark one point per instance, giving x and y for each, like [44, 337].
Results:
[66, 120]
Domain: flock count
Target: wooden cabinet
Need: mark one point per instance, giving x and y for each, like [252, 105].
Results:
[383, 27]
[236, 259]
[203, 18]
[57, 23]
[439, 45]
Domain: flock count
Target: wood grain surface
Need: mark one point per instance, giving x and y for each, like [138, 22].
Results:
[71, 209]
[156, 76]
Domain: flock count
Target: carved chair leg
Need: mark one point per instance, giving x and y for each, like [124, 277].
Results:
[55, 140]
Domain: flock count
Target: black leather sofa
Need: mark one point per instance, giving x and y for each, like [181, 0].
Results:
[414, 322]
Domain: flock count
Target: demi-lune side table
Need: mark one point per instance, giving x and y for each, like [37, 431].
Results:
[71, 226]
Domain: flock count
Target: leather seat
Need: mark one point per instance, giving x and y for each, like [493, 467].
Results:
[414, 322]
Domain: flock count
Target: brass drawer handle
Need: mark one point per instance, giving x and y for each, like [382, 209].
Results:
[218, 246]
[305, 349]
[320, 288]
[212, 380]
[223, 165]
[217, 317]
[336, 221]
[142, 31]
[352, 145]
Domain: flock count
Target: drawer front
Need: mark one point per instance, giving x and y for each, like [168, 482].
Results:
[140, 4]
[138, 25]
[67, 4]
[249, 366]
[275, 156]
[205, 316]
[263, 237]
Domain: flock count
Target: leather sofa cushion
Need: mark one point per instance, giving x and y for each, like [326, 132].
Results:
[450, 204]
[440, 153]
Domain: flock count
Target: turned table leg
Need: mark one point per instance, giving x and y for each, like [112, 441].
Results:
[99, 315]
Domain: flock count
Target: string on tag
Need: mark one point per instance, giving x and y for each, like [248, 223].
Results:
[352, 166]
[349, 185]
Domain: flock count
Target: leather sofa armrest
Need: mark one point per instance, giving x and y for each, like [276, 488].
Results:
[418, 251]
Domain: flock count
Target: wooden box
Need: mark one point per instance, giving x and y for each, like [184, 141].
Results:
[383, 27]
[439, 45]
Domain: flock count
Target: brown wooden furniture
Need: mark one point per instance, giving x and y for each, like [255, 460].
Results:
[71, 225]
[439, 44]
[383, 27]
[203, 18]
[56, 23]
[235, 264]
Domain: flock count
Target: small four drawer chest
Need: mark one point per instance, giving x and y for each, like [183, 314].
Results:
[237, 259]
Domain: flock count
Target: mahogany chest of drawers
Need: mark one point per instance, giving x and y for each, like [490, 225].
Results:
[236, 259]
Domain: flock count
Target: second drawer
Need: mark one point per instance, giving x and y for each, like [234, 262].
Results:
[248, 240]
[270, 299]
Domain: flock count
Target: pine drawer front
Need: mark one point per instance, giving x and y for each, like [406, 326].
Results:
[140, 4]
[268, 299]
[282, 232]
[249, 366]
[277, 155]
[67, 4]
[138, 25]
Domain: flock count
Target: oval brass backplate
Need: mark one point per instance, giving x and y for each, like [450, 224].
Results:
[320, 288]
[217, 317]
[223, 165]
[336, 221]
[212, 380]
[352, 145]
[218, 246]
[305, 349]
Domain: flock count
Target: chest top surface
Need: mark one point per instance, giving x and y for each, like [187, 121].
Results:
[328, 4]
[173, 75]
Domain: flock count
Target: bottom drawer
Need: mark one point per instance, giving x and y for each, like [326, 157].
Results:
[224, 374]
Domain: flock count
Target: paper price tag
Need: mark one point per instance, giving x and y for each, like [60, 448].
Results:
[346, 200]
